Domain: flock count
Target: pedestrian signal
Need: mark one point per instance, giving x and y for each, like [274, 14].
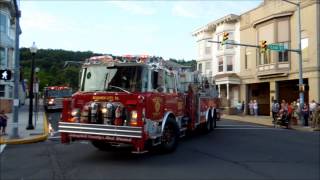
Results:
[5, 74]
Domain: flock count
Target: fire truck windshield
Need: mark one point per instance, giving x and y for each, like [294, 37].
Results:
[115, 79]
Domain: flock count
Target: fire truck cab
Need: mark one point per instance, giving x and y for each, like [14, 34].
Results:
[137, 101]
[53, 96]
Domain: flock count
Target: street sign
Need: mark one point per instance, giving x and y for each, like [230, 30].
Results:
[5, 74]
[276, 47]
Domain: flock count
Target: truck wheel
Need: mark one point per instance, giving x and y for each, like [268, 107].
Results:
[170, 136]
[102, 146]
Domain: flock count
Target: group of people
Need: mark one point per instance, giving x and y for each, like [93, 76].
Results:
[253, 107]
[293, 111]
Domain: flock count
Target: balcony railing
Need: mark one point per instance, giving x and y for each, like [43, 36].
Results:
[273, 70]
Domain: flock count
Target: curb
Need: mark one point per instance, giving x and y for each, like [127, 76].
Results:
[34, 139]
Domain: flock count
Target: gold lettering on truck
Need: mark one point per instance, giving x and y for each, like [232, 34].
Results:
[105, 98]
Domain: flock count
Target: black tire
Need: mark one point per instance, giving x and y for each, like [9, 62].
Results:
[102, 146]
[170, 136]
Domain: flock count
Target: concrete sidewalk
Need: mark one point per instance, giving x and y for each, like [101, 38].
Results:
[262, 120]
[39, 133]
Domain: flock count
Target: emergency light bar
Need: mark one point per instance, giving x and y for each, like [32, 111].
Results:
[107, 59]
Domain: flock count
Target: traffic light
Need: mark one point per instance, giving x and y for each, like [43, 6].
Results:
[225, 38]
[263, 46]
[5, 74]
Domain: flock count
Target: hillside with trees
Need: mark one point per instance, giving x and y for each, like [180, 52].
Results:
[54, 70]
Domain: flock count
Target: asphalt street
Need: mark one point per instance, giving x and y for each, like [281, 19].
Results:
[234, 150]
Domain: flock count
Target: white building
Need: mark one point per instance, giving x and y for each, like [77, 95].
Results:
[8, 12]
[221, 63]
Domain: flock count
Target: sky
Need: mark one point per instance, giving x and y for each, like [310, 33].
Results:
[161, 28]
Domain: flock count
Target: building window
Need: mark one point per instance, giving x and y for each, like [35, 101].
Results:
[200, 67]
[266, 33]
[283, 56]
[4, 23]
[208, 48]
[230, 38]
[208, 65]
[304, 48]
[264, 57]
[283, 38]
[229, 63]
[2, 91]
[3, 57]
[10, 57]
[247, 57]
[220, 64]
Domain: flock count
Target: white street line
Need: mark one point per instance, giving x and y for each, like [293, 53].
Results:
[2, 146]
[240, 125]
[54, 137]
[244, 128]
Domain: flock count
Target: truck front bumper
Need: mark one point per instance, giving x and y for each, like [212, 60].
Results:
[100, 132]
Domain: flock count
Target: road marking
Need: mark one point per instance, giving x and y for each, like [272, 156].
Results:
[245, 128]
[240, 125]
[2, 146]
[54, 137]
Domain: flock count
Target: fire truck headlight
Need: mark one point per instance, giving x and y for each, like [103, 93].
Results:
[51, 101]
[104, 110]
[134, 117]
[75, 113]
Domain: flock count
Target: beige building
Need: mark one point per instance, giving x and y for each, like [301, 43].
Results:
[275, 75]
[270, 75]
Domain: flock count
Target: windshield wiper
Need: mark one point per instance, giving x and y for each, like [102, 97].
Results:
[120, 89]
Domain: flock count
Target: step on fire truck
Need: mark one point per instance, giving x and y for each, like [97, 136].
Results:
[135, 100]
[53, 96]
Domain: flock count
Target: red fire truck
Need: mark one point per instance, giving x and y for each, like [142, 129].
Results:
[53, 96]
[136, 101]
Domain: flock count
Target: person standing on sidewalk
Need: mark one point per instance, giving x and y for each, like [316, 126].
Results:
[243, 108]
[316, 118]
[239, 107]
[251, 107]
[275, 110]
[312, 106]
[255, 107]
[305, 114]
[3, 122]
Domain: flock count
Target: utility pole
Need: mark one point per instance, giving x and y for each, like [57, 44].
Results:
[15, 132]
[301, 85]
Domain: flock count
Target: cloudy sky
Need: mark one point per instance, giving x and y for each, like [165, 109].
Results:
[161, 28]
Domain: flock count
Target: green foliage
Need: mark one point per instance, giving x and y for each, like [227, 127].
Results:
[192, 63]
[53, 71]
[51, 63]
